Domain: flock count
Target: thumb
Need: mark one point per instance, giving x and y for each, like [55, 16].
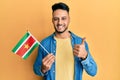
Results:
[83, 40]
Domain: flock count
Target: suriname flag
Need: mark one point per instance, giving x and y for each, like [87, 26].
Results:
[26, 45]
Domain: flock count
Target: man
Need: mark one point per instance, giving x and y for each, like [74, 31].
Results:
[69, 54]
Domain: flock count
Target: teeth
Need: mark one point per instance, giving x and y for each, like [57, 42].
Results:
[60, 26]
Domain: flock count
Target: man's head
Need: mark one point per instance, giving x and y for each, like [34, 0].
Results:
[60, 5]
[61, 17]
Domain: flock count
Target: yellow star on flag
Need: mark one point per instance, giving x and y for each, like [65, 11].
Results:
[27, 46]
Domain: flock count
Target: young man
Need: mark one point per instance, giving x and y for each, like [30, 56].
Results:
[69, 54]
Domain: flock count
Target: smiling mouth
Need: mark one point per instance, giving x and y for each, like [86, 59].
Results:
[60, 27]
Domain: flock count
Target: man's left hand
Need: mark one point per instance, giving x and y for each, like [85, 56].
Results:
[79, 50]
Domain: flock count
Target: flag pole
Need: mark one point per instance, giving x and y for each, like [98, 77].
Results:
[38, 42]
[43, 48]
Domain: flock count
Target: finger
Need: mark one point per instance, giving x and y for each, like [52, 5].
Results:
[77, 49]
[48, 60]
[49, 63]
[47, 57]
[51, 59]
[75, 52]
[77, 46]
[83, 40]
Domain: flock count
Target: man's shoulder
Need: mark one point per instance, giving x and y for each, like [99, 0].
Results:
[47, 39]
[75, 36]
[77, 39]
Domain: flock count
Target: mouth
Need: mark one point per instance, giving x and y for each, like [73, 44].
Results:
[59, 27]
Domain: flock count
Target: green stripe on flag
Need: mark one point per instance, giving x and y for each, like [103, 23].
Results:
[20, 42]
[30, 51]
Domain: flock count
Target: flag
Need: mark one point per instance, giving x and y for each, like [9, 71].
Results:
[26, 45]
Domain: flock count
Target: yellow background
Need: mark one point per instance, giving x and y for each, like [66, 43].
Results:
[97, 20]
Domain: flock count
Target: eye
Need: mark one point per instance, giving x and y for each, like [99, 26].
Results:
[64, 18]
[55, 18]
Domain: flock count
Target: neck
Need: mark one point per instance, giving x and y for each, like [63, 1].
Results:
[64, 35]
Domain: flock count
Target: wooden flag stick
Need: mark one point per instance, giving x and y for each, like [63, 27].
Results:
[44, 48]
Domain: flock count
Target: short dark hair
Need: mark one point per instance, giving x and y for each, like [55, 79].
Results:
[60, 5]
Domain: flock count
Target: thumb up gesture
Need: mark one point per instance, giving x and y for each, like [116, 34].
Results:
[79, 50]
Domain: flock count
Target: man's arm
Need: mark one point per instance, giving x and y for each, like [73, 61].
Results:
[89, 65]
[82, 51]
[42, 65]
[38, 63]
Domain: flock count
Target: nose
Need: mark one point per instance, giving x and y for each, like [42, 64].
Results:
[59, 21]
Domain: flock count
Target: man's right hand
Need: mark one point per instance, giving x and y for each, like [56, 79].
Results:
[47, 62]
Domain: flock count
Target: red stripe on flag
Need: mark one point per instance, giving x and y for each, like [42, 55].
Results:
[25, 46]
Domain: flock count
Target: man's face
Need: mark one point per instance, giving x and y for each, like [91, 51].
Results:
[60, 20]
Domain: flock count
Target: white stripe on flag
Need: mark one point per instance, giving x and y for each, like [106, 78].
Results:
[39, 43]
[22, 44]
[29, 49]
[34, 37]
